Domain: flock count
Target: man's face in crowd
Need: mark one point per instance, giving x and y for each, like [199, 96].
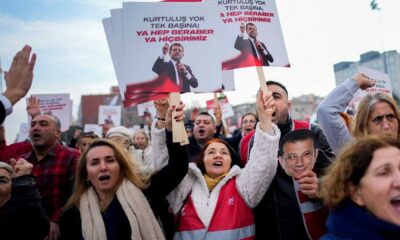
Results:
[248, 123]
[176, 53]
[204, 128]
[251, 31]
[281, 113]
[43, 131]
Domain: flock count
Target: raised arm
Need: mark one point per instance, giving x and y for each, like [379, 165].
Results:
[241, 43]
[328, 110]
[26, 209]
[159, 158]
[158, 64]
[165, 180]
[261, 167]
[18, 80]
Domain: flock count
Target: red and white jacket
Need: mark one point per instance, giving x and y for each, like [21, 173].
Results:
[232, 218]
[244, 188]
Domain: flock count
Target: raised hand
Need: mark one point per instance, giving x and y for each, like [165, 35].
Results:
[363, 81]
[33, 107]
[218, 114]
[179, 115]
[242, 27]
[19, 77]
[161, 106]
[165, 49]
[194, 114]
[265, 105]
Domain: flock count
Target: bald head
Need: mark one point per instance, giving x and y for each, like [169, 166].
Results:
[45, 131]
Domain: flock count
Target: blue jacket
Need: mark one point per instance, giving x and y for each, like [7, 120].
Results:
[353, 222]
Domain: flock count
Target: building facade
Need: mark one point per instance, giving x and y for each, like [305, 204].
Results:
[387, 62]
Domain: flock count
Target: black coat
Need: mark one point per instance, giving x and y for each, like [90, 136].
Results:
[246, 46]
[2, 113]
[23, 216]
[278, 215]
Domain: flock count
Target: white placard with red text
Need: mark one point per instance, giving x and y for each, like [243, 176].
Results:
[58, 105]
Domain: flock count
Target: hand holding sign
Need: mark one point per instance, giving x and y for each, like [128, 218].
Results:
[363, 81]
[179, 115]
[265, 108]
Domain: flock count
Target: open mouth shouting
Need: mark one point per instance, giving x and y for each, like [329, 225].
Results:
[202, 131]
[218, 163]
[36, 136]
[104, 179]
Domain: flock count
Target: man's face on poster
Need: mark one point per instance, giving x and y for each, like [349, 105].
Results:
[176, 53]
[251, 31]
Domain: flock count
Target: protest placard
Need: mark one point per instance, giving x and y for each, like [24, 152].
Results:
[97, 129]
[58, 105]
[109, 115]
[146, 108]
[251, 34]
[23, 132]
[178, 45]
[383, 84]
[226, 107]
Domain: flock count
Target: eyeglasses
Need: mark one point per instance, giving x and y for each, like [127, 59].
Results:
[307, 155]
[378, 120]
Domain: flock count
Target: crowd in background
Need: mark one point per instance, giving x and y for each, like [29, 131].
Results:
[275, 178]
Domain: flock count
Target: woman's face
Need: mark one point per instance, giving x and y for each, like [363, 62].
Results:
[103, 169]
[140, 141]
[379, 188]
[383, 121]
[217, 159]
[84, 143]
[249, 121]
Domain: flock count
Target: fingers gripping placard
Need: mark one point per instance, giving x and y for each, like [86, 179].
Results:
[178, 128]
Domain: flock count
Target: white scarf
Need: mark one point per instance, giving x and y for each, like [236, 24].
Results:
[137, 209]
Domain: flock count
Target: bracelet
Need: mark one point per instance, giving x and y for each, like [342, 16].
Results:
[160, 119]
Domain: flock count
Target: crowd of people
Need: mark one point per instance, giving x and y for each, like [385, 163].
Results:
[276, 178]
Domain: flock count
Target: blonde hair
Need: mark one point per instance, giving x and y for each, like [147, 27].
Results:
[350, 167]
[365, 109]
[128, 168]
[141, 131]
